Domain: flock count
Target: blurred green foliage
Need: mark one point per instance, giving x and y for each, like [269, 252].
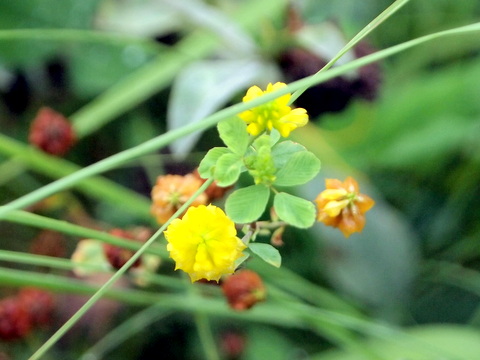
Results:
[415, 149]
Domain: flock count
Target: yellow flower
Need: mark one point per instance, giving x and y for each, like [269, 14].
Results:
[272, 115]
[342, 206]
[171, 192]
[204, 243]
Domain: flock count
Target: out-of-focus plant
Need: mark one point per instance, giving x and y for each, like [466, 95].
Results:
[262, 184]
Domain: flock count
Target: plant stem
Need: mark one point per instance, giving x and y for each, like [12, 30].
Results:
[124, 331]
[203, 327]
[363, 33]
[206, 337]
[10, 169]
[42, 222]
[99, 188]
[303, 289]
[168, 282]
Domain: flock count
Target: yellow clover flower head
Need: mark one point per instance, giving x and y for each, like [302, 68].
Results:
[204, 243]
[272, 115]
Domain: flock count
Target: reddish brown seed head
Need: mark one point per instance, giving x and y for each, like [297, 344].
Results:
[15, 321]
[51, 132]
[38, 303]
[118, 256]
[243, 289]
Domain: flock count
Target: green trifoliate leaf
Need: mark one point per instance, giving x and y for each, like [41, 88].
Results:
[267, 253]
[227, 169]
[207, 165]
[248, 204]
[300, 168]
[283, 151]
[294, 210]
[234, 134]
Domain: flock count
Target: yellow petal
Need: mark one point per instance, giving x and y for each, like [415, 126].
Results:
[333, 194]
[333, 208]
[252, 93]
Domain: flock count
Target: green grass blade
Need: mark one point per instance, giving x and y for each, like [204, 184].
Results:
[42, 222]
[362, 34]
[135, 324]
[98, 188]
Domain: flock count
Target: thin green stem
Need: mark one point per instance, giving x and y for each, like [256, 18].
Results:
[48, 261]
[56, 283]
[42, 222]
[77, 316]
[304, 289]
[10, 169]
[285, 314]
[206, 336]
[203, 327]
[168, 282]
[340, 335]
[363, 33]
[97, 187]
[135, 324]
[78, 36]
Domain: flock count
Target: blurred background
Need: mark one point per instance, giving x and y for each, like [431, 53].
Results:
[406, 128]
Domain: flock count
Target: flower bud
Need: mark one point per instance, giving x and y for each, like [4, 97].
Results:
[51, 132]
[49, 243]
[233, 344]
[243, 289]
[15, 321]
[39, 305]
[118, 256]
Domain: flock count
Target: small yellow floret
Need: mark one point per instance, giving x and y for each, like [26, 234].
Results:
[342, 206]
[273, 115]
[204, 243]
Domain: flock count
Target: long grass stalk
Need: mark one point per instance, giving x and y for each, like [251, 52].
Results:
[42, 222]
[356, 39]
[135, 324]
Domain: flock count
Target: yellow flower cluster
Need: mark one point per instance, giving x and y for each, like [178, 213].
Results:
[275, 114]
[204, 243]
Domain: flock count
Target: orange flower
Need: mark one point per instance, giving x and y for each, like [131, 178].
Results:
[342, 206]
[171, 192]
